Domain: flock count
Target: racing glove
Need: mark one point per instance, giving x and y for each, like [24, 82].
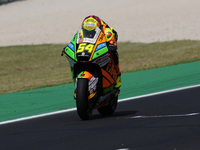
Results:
[111, 47]
[113, 50]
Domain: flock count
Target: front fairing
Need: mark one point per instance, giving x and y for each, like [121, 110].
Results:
[70, 51]
[82, 49]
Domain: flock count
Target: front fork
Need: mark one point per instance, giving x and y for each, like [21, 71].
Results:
[92, 83]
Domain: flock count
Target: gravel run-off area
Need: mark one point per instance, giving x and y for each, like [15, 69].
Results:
[56, 21]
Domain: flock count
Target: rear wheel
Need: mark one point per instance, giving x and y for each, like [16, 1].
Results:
[84, 107]
[110, 108]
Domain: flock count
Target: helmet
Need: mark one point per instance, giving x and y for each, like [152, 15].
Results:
[89, 25]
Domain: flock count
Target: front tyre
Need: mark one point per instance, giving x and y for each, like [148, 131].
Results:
[84, 107]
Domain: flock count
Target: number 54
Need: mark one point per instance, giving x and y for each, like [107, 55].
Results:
[84, 47]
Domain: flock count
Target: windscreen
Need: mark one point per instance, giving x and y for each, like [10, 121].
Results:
[88, 36]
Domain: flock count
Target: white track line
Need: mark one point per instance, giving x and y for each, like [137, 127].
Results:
[158, 93]
[37, 116]
[164, 116]
[73, 109]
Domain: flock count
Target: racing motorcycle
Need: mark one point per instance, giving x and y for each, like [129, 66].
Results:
[94, 73]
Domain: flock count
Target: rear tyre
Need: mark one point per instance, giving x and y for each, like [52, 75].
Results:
[84, 108]
[110, 108]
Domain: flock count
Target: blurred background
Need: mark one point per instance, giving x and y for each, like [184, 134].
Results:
[48, 21]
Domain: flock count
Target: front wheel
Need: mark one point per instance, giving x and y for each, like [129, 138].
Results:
[84, 107]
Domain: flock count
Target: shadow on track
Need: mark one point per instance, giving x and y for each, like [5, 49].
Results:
[117, 114]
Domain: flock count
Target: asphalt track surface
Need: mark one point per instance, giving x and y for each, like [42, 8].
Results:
[169, 121]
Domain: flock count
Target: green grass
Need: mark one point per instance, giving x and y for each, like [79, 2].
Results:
[35, 66]
[140, 56]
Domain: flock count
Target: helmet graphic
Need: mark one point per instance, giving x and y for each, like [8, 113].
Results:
[91, 22]
[89, 25]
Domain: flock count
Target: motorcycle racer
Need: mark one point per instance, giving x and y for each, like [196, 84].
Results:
[93, 59]
[89, 25]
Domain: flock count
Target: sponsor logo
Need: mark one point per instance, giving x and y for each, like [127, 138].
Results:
[80, 41]
[82, 75]
[71, 46]
[100, 46]
[101, 37]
